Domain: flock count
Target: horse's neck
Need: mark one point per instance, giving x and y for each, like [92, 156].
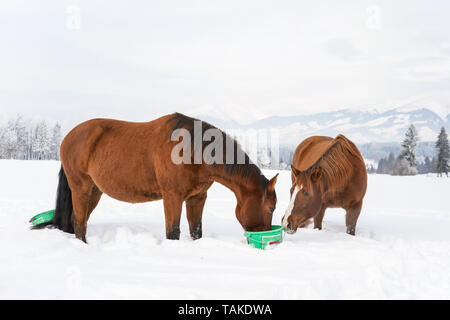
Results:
[235, 184]
[237, 188]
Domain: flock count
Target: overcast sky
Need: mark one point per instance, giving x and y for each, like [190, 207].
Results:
[244, 60]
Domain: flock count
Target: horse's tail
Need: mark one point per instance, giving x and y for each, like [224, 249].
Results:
[62, 218]
[64, 207]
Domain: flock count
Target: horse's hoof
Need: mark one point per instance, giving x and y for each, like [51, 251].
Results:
[174, 234]
[197, 232]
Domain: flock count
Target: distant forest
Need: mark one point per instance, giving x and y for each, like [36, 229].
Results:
[27, 140]
[406, 163]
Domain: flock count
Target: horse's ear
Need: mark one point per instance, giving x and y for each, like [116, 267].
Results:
[295, 171]
[316, 174]
[271, 184]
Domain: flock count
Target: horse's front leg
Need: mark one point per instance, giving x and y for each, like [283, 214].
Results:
[194, 211]
[172, 212]
[319, 218]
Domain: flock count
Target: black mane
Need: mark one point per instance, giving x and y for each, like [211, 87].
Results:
[247, 170]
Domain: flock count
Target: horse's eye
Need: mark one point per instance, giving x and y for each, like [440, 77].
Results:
[306, 193]
[272, 209]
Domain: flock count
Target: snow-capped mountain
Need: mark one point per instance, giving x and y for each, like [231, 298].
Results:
[359, 126]
[376, 133]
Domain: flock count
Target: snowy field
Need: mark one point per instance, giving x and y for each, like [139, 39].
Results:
[401, 249]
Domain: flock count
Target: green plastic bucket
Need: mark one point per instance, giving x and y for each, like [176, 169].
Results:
[42, 217]
[265, 239]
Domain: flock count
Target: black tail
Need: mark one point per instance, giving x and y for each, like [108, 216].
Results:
[64, 208]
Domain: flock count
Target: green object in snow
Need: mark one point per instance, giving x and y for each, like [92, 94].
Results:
[265, 239]
[42, 217]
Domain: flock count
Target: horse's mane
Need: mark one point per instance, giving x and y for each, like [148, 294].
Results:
[247, 170]
[335, 162]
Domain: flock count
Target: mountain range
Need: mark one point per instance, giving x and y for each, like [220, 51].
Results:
[376, 133]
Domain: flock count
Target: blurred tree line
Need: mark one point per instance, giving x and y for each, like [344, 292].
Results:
[406, 164]
[28, 140]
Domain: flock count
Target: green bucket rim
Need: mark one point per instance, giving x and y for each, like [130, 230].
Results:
[276, 231]
[274, 228]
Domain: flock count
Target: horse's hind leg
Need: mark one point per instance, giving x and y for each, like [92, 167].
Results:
[96, 194]
[84, 198]
[194, 211]
[351, 218]
[172, 212]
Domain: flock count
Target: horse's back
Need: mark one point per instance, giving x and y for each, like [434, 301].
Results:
[311, 150]
[87, 136]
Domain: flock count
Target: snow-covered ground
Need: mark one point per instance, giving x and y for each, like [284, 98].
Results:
[401, 250]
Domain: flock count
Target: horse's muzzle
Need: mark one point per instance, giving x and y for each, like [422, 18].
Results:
[289, 230]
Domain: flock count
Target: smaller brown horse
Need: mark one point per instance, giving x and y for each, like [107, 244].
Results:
[326, 173]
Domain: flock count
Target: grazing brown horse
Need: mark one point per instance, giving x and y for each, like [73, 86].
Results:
[326, 173]
[132, 162]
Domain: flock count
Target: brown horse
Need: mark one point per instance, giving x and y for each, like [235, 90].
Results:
[326, 173]
[132, 162]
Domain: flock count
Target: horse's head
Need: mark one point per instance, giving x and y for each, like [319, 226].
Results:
[254, 209]
[306, 199]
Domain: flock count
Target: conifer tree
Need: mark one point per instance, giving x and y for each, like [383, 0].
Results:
[55, 141]
[41, 141]
[443, 153]
[406, 162]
